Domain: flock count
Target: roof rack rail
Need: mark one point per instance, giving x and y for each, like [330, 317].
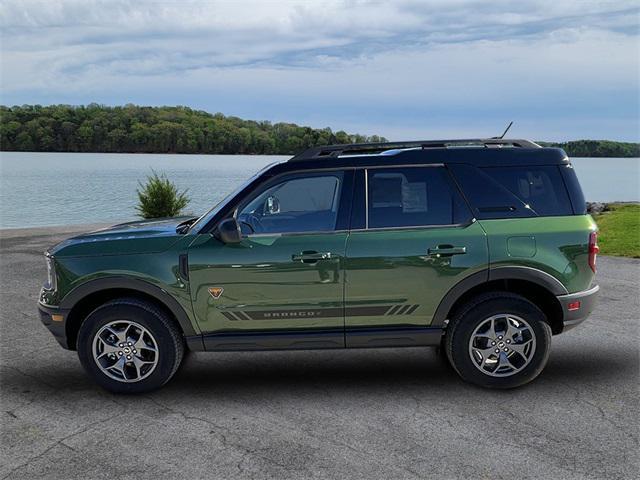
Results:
[329, 151]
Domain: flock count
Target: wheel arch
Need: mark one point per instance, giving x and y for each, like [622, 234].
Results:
[535, 285]
[85, 298]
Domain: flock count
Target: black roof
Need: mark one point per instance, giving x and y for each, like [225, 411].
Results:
[369, 148]
[480, 152]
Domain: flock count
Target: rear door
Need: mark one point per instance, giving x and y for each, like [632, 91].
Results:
[283, 285]
[413, 239]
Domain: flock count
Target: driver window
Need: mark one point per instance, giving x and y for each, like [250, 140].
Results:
[296, 205]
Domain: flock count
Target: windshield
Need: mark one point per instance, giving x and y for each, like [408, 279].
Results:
[204, 219]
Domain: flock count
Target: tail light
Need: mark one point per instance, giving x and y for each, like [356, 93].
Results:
[593, 250]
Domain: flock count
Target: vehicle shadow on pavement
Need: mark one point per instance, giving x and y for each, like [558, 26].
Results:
[373, 368]
[282, 372]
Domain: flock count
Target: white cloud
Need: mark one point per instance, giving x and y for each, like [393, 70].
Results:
[341, 58]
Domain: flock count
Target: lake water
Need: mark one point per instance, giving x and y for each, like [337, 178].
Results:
[42, 189]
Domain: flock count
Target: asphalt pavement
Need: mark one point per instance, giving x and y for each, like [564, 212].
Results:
[357, 414]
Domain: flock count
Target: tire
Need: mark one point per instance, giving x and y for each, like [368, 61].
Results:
[128, 328]
[471, 344]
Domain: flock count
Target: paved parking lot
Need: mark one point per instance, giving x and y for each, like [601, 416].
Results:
[394, 413]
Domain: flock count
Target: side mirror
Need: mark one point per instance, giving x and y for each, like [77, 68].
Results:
[271, 206]
[229, 231]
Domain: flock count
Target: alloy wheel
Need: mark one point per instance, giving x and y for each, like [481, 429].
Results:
[125, 351]
[502, 345]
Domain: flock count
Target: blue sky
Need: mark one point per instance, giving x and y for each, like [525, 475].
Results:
[405, 69]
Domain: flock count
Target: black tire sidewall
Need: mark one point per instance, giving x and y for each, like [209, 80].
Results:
[148, 319]
[458, 345]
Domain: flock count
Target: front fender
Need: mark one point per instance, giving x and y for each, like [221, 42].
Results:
[134, 284]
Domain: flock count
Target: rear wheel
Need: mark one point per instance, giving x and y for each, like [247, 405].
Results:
[498, 340]
[130, 346]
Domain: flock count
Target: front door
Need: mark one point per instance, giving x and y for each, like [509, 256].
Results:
[416, 241]
[283, 285]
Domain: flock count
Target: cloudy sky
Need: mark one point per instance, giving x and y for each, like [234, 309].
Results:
[404, 69]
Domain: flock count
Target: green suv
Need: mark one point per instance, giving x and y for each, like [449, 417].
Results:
[480, 247]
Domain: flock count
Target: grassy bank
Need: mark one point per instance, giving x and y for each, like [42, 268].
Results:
[620, 230]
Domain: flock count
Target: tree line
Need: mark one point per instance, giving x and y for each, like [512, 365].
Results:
[597, 148]
[136, 129]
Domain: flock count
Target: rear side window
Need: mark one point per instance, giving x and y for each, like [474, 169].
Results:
[413, 196]
[539, 187]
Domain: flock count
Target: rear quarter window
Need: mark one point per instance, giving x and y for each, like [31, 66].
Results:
[540, 187]
[516, 191]
[574, 189]
[488, 198]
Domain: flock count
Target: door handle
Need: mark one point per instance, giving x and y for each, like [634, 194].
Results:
[309, 256]
[446, 251]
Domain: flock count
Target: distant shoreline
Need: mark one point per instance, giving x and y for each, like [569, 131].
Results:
[169, 130]
[161, 153]
[256, 154]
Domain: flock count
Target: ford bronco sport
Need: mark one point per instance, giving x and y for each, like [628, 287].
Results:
[480, 247]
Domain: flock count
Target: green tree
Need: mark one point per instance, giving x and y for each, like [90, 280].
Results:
[131, 128]
[159, 197]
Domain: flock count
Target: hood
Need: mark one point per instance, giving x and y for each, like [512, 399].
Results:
[146, 236]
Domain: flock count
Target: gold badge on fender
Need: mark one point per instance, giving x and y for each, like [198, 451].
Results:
[216, 292]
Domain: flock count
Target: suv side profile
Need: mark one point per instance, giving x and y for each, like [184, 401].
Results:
[481, 247]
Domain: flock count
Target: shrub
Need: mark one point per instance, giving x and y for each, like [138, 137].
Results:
[159, 197]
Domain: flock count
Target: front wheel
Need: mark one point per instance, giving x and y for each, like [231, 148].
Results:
[498, 340]
[130, 346]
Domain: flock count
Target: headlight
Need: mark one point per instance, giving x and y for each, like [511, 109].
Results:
[51, 273]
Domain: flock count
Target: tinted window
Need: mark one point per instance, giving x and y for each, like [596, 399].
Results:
[574, 189]
[420, 196]
[300, 204]
[539, 187]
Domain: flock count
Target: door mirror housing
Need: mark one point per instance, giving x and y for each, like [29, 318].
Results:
[229, 231]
